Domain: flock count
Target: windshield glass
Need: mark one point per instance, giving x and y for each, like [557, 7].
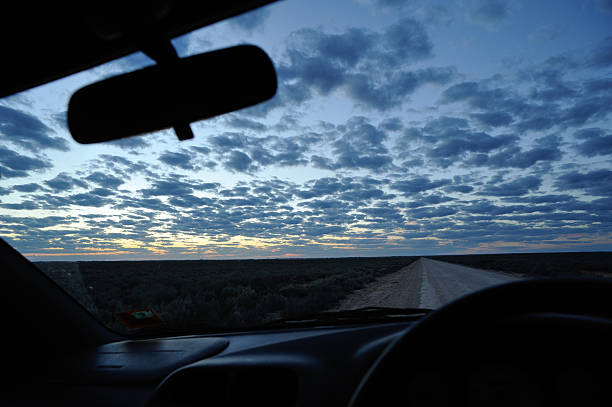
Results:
[476, 131]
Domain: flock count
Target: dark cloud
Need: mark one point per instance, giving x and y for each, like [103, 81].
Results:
[433, 199]
[587, 109]
[289, 152]
[461, 141]
[228, 141]
[437, 212]
[105, 180]
[190, 201]
[201, 150]
[361, 146]
[481, 96]
[406, 40]
[546, 149]
[31, 187]
[238, 161]
[154, 204]
[602, 55]
[27, 131]
[443, 124]
[518, 187]
[596, 142]
[460, 91]
[205, 186]
[550, 86]
[321, 187]
[317, 62]
[357, 190]
[596, 182]
[494, 119]
[251, 20]
[170, 187]
[540, 199]
[121, 166]
[88, 199]
[13, 164]
[419, 184]
[465, 189]
[391, 124]
[64, 182]
[388, 214]
[180, 160]
[23, 205]
[490, 12]
[239, 152]
[397, 88]
[598, 85]
[102, 192]
[244, 123]
[539, 110]
[236, 191]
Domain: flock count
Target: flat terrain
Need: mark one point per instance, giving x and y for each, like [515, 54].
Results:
[425, 283]
[591, 264]
[220, 293]
[242, 293]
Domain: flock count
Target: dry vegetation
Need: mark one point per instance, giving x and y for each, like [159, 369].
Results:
[230, 293]
[539, 264]
[242, 293]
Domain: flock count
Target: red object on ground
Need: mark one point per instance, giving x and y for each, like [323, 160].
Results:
[139, 318]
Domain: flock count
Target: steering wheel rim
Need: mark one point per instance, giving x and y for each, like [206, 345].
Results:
[567, 296]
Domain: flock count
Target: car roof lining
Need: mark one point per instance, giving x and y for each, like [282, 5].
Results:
[45, 41]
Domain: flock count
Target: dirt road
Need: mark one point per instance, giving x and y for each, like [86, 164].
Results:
[425, 283]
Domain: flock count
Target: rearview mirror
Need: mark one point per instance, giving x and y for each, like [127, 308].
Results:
[171, 95]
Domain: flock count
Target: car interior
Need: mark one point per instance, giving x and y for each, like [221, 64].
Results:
[532, 342]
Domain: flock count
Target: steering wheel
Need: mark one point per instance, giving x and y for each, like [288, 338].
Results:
[479, 349]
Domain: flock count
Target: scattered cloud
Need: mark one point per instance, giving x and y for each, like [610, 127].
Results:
[64, 182]
[518, 157]
[238, 161]
[27, 131]
[13, 164]
[595, 142]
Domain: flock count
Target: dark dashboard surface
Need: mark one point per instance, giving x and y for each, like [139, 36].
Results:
[314, 366]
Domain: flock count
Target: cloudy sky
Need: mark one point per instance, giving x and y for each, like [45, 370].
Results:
[399, 128]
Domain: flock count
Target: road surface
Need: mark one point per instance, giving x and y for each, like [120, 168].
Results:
[425, 283]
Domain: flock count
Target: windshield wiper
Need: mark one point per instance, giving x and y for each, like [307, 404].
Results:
[353, 316]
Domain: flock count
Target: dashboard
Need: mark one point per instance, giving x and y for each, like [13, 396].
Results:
[540, 360]
[314, 366]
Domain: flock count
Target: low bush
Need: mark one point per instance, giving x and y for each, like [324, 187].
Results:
[223, 293]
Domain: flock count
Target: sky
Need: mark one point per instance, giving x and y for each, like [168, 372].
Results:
[399, 128]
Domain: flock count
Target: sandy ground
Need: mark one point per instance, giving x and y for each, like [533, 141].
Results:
[400, 289]
[425, 284]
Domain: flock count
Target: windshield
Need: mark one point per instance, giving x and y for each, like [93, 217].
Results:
[401, 131]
